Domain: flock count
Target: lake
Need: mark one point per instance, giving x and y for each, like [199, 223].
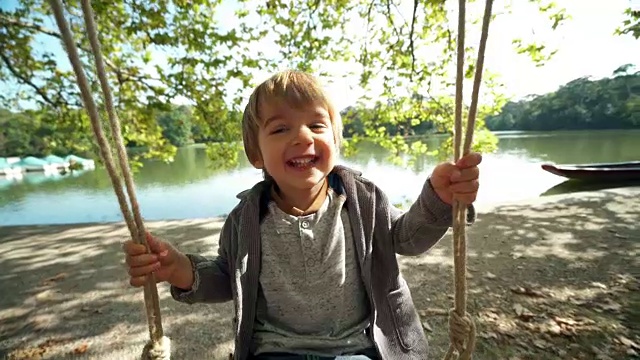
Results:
[190, 188]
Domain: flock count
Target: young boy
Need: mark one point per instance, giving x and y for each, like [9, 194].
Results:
[309, 254]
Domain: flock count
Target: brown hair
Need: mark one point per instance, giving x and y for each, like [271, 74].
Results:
[296, 89]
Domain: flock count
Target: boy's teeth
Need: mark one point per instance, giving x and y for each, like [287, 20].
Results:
[302, 161]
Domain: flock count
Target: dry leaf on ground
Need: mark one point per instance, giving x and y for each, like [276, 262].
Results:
[520, 290]
[55, 278]
[81, 349]
[628, 342]
[609, 305]
[37, 352]
[523, 313]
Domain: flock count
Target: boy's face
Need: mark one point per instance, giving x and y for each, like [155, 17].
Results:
[297, 145]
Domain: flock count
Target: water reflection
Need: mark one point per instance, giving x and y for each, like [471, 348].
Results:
[191, 187]
[573, 147]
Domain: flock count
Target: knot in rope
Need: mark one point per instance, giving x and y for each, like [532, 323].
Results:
[462, 334]
[159, 346]
[462, 330]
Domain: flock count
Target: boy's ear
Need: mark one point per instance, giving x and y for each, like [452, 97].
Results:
[258, 163]
[255, 158]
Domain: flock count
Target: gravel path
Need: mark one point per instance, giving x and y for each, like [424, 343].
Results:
[65, 293]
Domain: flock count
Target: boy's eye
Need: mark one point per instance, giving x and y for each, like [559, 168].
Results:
[278, 130]
[318, 126]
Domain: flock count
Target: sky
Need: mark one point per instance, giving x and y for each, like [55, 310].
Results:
[586, 46]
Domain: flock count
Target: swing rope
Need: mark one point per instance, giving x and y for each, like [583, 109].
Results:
[462, 329]
[159, 346]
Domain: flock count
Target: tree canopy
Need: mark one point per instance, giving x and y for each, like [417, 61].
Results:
[609, 103]
[161, 52]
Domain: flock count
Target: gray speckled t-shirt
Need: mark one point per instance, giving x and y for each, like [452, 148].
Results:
[311, 298]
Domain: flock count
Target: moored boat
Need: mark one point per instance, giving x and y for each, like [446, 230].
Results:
[86, 163]
[47, 164]
[8, 169]
[31, 163]
[56, 161]
[619, 171]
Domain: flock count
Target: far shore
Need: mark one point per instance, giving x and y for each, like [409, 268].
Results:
[554, 277]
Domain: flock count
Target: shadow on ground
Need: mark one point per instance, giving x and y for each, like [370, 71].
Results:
[572, 186]
[556, 278]
[66, 295]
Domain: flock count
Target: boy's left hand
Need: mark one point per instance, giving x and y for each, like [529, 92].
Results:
[457, 181]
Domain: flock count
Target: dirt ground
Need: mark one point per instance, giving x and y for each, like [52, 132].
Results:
[553, 278]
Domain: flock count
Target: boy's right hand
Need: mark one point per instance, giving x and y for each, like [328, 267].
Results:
[164, 261]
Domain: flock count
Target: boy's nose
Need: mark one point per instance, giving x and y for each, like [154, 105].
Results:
[303, 136]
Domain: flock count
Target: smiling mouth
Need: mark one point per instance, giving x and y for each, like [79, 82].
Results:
[303, 162]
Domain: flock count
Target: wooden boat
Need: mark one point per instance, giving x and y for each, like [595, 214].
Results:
[621, 171]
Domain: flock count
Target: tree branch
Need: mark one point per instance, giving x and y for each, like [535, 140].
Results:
[27, 81]
[390, 18]
[366, 42]
[411, 43]
[316, 5]
[5, 20]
